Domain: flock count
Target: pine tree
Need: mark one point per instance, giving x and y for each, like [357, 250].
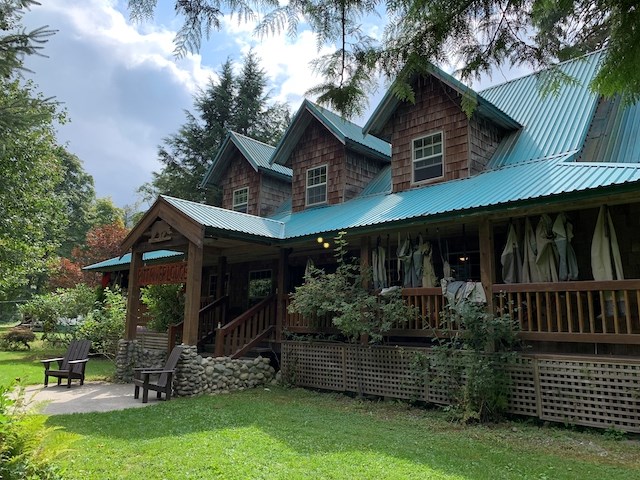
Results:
[232, 102]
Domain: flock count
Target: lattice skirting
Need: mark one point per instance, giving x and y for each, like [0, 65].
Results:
[591, 391]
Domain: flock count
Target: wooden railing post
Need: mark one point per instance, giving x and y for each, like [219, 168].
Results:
[133, 296]
[487, 260]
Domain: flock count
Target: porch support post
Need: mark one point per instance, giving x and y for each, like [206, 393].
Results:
[222, 274]
[133, 296]
[192, 297]
[283, 291]
[487, 260]
[365, 258]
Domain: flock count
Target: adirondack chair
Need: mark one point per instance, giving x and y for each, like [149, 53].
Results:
[163, 382]
[70, 366]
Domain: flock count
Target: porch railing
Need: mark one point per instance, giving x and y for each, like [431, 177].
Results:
[590, 311]
[297, 323]
[246, 331]
[212, 313]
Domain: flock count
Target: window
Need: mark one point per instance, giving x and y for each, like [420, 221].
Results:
[317, 185]
[260, 285]
[241, 200]
[427, 157]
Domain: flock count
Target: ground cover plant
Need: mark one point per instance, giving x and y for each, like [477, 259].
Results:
[25, 365]
[279, 433]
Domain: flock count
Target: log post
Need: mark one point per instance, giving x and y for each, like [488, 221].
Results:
[133, 296]
[283, 291]
[222, 274]
[192, 298]
[487, 260]
[365, 261]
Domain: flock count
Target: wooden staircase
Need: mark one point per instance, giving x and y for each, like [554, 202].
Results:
[247, 331]
[237, 338]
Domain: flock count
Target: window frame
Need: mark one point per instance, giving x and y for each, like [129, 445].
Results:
[234, 205]
[414, 160]
[325, 184]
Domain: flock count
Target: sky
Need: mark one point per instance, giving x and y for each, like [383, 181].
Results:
[124, 91]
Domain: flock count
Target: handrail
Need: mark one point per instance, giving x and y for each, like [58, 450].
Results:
[581, 286]
[224, 299]
[246, 330]
[248, 314]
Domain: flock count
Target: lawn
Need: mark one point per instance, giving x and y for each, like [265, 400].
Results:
[291, 434]
[25, 364]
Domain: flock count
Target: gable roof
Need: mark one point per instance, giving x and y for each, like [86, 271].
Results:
[390, 102]
[258, 154]
[347, 133]
[551, 124]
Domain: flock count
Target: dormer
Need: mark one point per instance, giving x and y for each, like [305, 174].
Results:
[433, 140]
[331, 159]
[249, 182]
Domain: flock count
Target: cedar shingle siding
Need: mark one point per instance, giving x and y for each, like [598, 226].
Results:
[239, 175]
[468, 144]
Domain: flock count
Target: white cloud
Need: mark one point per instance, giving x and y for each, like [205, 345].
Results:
[120, 84]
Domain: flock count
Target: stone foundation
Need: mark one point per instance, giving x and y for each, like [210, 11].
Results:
[196, 375]
[132, 355]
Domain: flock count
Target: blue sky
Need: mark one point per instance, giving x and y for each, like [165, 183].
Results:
[124, 91]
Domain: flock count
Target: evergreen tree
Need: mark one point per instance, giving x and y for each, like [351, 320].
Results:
[232, 102]
[478, 34]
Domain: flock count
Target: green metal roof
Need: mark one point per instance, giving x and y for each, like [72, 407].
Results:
[258, 154]
[551, 125]
[507, 186]
[485, 107]
[381, 183]
[227, 220]
[114, 263]
[348, 133]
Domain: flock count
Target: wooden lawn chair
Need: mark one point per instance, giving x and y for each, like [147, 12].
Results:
[71, 366]
[164, 382]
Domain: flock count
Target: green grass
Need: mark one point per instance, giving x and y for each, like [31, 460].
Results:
[297, 434]
[25, 364]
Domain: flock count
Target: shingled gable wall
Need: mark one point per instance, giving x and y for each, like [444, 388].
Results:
[272, 193]
[347, 172]
[468, 145]
[240, 174]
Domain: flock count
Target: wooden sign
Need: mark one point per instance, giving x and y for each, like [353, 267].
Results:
[163, 274]
[160, 232]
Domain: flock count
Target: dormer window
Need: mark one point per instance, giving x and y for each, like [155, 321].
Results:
[427, 157]
[241, 200]
[317, 185]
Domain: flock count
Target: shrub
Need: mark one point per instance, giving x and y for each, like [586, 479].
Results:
[51, 309]
[473, 361]
[104, 326]
[17, 338]
[342, 295]
[165, 306]
[22, 455]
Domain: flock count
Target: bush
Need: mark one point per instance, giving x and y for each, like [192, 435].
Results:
[474, 361]
[165, 306]
[52, 309]
[17, 338]
[104, 326]
[342, 295]
[22, 455]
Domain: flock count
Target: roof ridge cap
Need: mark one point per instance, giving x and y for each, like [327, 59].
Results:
[251, 138]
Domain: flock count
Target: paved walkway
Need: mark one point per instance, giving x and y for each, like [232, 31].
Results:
[90, 397]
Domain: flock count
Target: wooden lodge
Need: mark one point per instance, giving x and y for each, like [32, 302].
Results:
[481, 190]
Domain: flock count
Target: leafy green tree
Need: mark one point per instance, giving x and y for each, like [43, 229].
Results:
[105, 212]
[32, 220]
[230, 103]
[479, 34]
[79, 195]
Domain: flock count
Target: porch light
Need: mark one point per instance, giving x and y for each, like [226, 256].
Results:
[320, 240]
[464, 259]
[326, 245]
